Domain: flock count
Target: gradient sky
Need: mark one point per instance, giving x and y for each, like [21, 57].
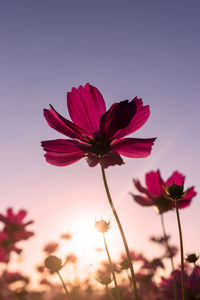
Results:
[149, 49]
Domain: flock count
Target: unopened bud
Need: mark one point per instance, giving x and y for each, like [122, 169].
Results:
[175, 191]
[53, 263]
[191, 258]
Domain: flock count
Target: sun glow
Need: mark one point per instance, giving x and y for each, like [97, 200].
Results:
[87, 238]
[87, 243]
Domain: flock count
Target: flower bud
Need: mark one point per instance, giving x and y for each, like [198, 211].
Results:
[102, 226]
[53, 263]
[192, 258]
[104, 278]
[175, 191]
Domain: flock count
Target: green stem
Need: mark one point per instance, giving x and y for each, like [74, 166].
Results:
[182, 254]
[120, 229]
[170, 254]
[64, 286]
[111, 266]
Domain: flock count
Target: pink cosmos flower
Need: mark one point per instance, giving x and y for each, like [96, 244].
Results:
[14, 225]
[95, 132]
[153, 193]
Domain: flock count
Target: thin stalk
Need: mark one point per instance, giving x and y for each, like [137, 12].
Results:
[182, 254]
[129, 277]
[171, 256]
[110, 262]
[64, 286]
[120, 229]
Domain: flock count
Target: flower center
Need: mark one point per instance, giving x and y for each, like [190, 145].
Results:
[100, 145]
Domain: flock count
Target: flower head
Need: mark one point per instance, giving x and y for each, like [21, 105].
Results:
[15, 226]
[53, 263]
[192, 258]
[175, 191]
[154, 192]
[95, 132]
[102, 226]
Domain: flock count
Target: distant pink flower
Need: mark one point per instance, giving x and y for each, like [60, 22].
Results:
[71, 258]
[14, 225]
[51, 248]
[153, 193]
[95, 132]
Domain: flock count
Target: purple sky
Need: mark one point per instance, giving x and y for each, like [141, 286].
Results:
[148, 49]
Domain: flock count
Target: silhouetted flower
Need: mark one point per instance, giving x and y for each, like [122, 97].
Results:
[154, 193]
[14, 225]
[96, 133]
[171, 251]
[153, 264]
[104, 278]
[102, 226]
[53, 263]
[160, 240]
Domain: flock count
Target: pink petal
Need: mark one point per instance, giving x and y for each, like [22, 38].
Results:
[109, 159]
[190, 193]
[86, 106]
[186, 200]
[138, 120]
[117, 117]
[21, 214]
[154, 183]
[144, 201]
[62, 152]
[177, 177]
[140, 188]
[64, 126]
[10, 213]
[131, 147]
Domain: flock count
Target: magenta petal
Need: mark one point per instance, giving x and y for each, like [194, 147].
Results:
[177, 177]
[110, 159]
[144, 201]
[86, 106]
[186, 200]
[138, 120]
[140, 187]
[117, 117]
[131, 147]
[190, 193]
[21, 215]
[62, 152]
[64, 126]
[154, 183]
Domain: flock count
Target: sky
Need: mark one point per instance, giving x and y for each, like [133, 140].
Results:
[148, 49]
